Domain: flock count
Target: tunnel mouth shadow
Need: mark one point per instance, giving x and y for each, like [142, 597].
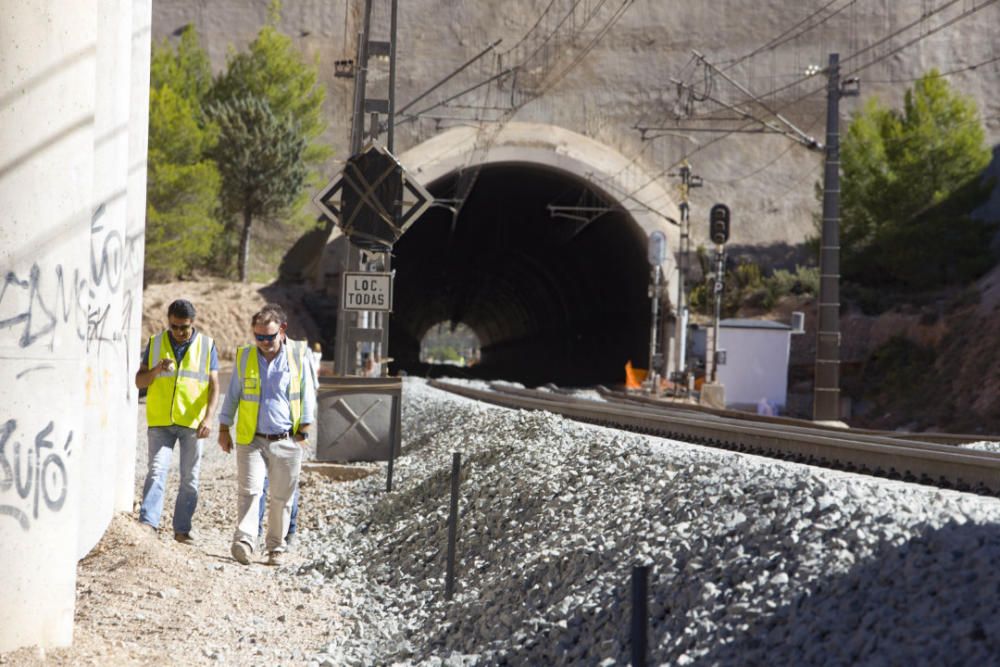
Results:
[549, 271]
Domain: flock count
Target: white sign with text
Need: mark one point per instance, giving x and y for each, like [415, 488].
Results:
[367, 291]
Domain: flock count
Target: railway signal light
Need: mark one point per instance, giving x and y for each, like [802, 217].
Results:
[718, 224]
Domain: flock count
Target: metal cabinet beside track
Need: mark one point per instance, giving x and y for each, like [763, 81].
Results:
[359, 418]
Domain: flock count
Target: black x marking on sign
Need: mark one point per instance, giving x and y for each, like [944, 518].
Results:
[357, 420]
[366, 191]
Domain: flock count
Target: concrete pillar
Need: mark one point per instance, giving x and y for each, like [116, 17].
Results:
[109, 393]
[135, 229]
[48, 57]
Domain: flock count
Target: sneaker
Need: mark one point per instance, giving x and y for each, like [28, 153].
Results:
[184, 538]
[241, 552]
[290, 540]
[275, 557]
[147, 527]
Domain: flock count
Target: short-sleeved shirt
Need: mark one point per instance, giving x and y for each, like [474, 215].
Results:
[180, 349]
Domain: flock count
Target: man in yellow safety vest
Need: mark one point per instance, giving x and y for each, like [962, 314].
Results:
[180, 371]
[271, 401]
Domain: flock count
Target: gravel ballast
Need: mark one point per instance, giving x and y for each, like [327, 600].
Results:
[751, 560]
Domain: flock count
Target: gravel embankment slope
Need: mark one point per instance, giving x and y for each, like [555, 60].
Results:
[753, 561]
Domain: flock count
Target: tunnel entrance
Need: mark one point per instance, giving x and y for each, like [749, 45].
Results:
[553, 295]
[450, 343]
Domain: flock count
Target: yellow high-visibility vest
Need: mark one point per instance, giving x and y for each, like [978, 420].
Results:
[179, 398]
[249, 376]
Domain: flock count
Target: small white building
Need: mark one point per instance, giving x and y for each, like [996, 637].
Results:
[755, 362]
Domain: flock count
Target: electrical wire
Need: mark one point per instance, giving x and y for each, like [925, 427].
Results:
[590, 47]
[532, 28]
[885, 39]
[701, 147]
[778, 41]
[523, 64]
[939, 74]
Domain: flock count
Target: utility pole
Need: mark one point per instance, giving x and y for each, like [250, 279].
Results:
[367, 327]
[826, 385]
[688, 181]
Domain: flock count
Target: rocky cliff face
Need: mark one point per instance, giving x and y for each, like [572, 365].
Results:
[604, 84]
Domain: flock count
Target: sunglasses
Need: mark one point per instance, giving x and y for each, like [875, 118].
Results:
[180, 327]
[265, 338]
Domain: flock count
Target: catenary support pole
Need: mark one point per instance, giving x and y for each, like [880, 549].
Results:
[683, 258]
[344, 361]
[826, 387]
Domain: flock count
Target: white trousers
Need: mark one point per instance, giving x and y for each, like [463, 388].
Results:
[280, 461]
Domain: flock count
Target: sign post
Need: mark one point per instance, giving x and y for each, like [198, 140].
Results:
[657, 253]
[718, 229]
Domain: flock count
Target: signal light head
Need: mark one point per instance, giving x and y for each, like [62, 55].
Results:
[718, 224]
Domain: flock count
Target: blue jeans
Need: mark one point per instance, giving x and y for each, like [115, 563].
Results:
[161, 448]
[263, 507]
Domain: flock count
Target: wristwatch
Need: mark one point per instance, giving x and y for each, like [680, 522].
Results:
[303, 434]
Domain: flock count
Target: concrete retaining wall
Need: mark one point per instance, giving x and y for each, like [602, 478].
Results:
[73, 119]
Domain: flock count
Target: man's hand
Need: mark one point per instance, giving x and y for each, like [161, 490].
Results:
[203, 429]
[225, 441]
[165, 366]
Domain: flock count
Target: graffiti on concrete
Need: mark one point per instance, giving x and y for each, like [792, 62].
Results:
[115, 278]
[38, 306]
[39, 367]
[107, 264]
[27, 480]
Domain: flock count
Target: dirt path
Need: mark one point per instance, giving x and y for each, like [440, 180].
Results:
[143, 598]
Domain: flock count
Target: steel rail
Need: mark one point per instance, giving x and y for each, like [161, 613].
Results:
[944, 466]
[941, 438]
[661, 408]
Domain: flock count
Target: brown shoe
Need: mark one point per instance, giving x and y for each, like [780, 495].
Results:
[275, 557]
[241, 552]
[184, 538]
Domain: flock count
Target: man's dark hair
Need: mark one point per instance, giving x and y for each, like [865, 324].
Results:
[181, 309]
[271, 312]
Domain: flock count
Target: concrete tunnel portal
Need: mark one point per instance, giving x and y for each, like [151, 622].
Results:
[553, 294]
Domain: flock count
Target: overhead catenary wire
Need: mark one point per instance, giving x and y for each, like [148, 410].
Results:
[942, 75]
[590, 46]
[701, 147]
[782, 39]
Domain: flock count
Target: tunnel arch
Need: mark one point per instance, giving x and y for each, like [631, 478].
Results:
[551, 299]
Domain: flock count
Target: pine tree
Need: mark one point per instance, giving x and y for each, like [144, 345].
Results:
[272, 71]
[912, 177]
[260, 157]
[183, 182]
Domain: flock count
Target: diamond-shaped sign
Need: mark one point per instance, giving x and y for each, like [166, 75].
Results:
[378, 201]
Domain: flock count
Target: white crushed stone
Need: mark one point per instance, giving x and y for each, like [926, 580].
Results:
[752, 560]
[983, 446]
[588, 394]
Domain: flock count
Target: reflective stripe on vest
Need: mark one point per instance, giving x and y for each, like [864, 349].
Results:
[248, 367]
[179, 398]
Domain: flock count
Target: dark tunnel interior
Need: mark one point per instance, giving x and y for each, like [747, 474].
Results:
[553, 298]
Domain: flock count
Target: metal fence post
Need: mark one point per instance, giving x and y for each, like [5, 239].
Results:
[640, 614]
[449, 586]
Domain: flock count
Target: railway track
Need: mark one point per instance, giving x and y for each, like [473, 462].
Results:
[891, 455]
